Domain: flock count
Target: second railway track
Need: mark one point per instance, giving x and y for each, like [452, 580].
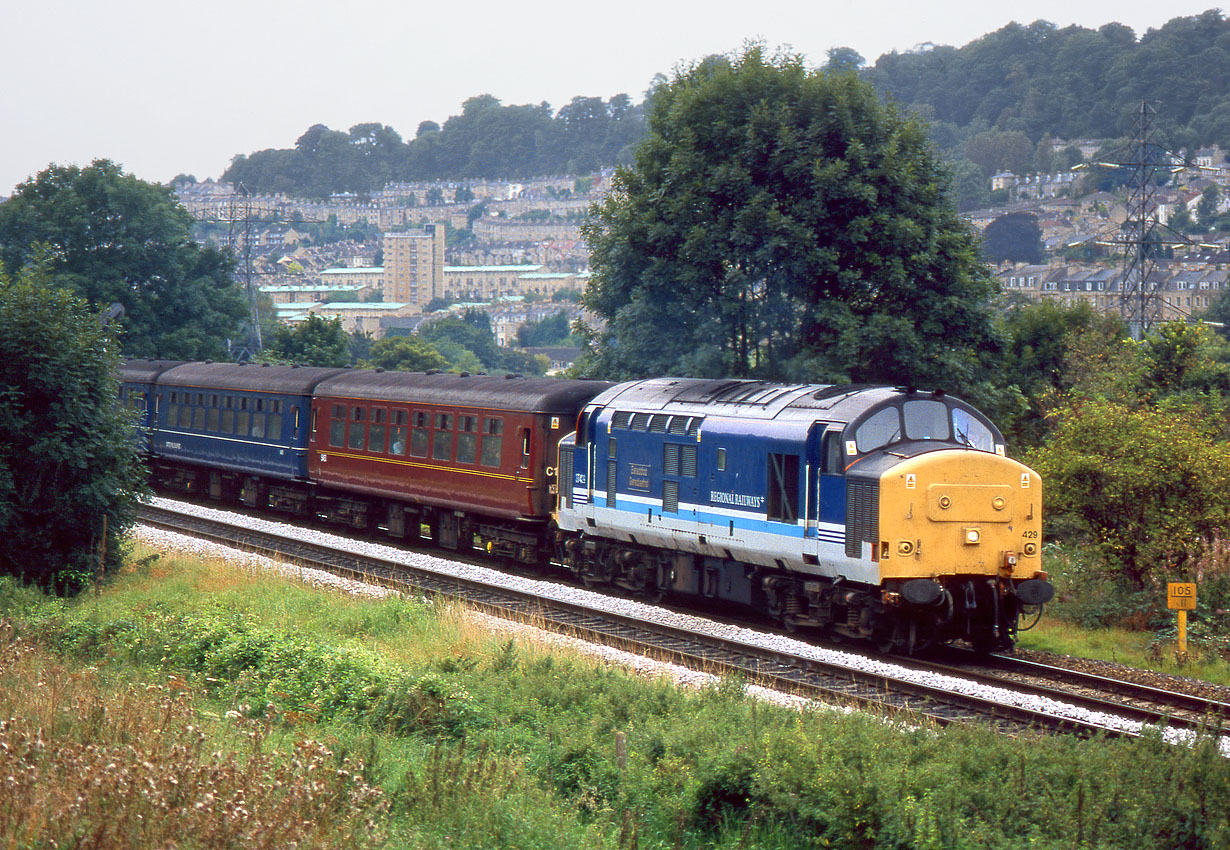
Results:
[913, 690]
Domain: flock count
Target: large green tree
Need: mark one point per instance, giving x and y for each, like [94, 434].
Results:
[785, 223]
[68, 451]
[112, 238]
[316, 341]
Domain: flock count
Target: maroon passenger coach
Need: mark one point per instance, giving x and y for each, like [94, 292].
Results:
[463, 460]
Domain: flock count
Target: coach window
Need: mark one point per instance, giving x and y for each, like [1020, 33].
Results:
[211, 419]
[337, 426]
[185, 410]
[467, 439]
[243, 420]
[198, 415]
[879, 429]
[273, 425]
[376, 432]
[228, 415]
[398, 432]
[442, 438]
[357, 431]
[493, 440]
[173, 410]
[525, 448]
[419, 435]
[258, 418]
[721, 460]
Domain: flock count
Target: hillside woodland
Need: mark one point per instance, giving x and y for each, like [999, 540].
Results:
[1001, 102]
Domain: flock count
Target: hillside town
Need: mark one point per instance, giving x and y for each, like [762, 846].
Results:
[382, 264]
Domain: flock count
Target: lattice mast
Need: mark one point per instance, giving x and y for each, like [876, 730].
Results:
[239, 243]
[1139, 301]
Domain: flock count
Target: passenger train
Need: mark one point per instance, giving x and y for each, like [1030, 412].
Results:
[862, 511]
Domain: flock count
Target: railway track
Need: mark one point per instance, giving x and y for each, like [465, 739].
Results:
[1142, 703]
[884, 688]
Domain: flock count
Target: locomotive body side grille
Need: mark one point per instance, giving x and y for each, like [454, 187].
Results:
[565, 477]
[862, 515]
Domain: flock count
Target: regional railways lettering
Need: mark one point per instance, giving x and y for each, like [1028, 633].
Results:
[736, 499]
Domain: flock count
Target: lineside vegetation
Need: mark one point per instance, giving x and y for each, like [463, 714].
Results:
[427, 731]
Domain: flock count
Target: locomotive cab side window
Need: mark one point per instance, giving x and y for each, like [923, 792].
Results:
[831, 453]
[971, 432]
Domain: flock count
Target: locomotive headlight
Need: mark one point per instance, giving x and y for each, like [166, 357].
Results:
[972, 536]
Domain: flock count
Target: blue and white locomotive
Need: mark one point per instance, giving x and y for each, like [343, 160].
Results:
[866, 511]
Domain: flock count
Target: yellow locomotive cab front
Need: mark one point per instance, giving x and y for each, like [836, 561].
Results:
[960, 513]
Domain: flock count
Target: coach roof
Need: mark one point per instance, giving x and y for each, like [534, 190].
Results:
[258, 378]
[543, 395]
[144, 371]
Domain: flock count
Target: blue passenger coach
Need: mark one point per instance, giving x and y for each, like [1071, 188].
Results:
[223, 426]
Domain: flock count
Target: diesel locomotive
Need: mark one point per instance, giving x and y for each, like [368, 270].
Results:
[864, 511]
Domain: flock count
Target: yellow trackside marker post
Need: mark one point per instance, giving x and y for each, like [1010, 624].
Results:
[1181, 597]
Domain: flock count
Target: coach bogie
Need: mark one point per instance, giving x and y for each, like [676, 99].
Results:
[345, 510]
[288, 498]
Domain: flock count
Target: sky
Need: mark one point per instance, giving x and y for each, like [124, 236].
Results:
[166, 87]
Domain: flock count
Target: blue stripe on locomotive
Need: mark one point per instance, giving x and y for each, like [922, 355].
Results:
[280, 456]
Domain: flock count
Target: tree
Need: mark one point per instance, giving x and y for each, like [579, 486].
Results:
[1015, 237]
[68, 452]
[553, 330]
[317, 341]
[1146, 487]
[406, 354]
[1206, 209]
[111, 238]
[998, 151]
[843, 59]
[785, 224]
[1037, 357]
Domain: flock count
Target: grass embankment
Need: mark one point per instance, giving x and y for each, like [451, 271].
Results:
[1095, 616]
[281, 714]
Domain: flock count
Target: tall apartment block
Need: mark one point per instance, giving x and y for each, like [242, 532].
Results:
[414, 266]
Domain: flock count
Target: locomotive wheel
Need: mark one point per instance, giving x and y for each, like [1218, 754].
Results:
[887, 636]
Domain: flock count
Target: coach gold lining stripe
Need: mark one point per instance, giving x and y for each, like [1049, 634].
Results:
[431, 466]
